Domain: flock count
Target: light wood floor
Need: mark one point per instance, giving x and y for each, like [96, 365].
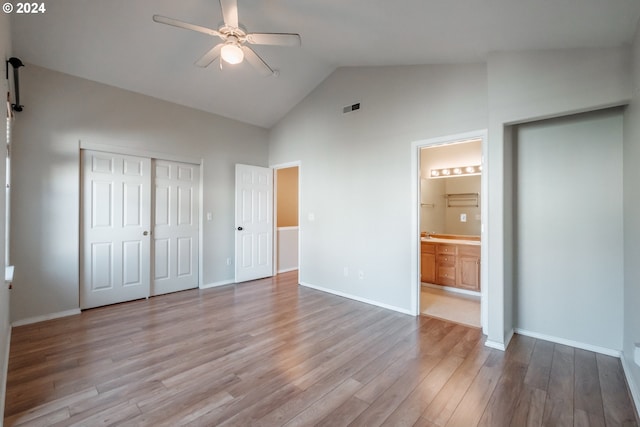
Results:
[270, 353]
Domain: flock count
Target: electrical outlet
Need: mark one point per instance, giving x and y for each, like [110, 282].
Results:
[463, 217]
[228, 261]
[209, 216]
[360, 275]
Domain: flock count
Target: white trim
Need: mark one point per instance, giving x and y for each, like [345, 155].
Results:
[294, 164]
[294, 227]
[356, 298]
[286, 270]
[633, 387]
[200, 226]
[5, 373]
[217, 284]
[494, 344]
[571, 343]
[51, 316]
[117, 149]
[415, 218]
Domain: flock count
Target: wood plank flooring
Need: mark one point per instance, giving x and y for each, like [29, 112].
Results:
[271, 353]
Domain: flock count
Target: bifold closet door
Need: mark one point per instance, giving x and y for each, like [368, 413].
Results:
[176, 219]
[116, 240]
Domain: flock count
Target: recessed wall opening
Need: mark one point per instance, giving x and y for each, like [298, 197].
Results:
[287, 214]
[568, 229]
[450, 225]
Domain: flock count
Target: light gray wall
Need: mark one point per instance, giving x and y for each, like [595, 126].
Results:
[632, 223]
[356, 168]
[525, 86]
[569, 237]
[5, 329]
[59, 111]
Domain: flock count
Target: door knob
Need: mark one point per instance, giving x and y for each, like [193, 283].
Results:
[145, 233]
[240, 228]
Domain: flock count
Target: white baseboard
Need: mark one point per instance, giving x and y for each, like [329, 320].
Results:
[633, 387]
[357, 298]
[286, 270]
[495, 344]
[51, 316]
[216, 284]
[502, 346]
[570, 343]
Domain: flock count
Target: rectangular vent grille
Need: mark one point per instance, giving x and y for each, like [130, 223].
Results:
[350, 108]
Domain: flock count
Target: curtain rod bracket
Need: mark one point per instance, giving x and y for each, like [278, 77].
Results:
[16, 63]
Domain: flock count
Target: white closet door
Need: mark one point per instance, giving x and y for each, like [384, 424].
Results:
[176, 226]
[116, 214]
[254, 222]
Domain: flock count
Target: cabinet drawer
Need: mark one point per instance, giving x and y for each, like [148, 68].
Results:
[447, 275]
[447, 259]
[447, 249]
[428, 248]
[469, 250]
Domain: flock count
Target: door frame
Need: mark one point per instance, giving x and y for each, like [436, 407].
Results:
[416, 146]
[298, 164]
[153, 155]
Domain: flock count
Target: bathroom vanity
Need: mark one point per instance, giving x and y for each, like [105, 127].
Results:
[449, 260]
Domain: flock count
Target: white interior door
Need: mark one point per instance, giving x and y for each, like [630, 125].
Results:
[114, 265]
[254, 223]
[177, 218]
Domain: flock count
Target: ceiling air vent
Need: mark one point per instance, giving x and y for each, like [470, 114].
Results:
[350, 108]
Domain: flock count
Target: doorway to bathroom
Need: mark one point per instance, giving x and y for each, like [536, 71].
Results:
[450, 227]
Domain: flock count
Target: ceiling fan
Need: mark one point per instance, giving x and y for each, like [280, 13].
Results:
[235, 40]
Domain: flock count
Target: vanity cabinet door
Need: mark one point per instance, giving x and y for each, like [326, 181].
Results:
[428, 263]
[469, 268]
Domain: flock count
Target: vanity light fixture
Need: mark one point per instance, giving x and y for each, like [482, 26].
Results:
[458, 171]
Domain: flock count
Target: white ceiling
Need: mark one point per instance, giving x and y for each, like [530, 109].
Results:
[117, 43]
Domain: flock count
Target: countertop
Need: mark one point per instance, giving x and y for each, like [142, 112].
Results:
[452, 241]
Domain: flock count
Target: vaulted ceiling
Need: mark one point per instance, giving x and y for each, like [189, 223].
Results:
[116, 42]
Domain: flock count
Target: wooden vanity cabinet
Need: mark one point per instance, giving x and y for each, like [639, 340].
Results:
[428, 262]
[450, 264]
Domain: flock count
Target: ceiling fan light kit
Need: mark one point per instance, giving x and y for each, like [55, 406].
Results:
[231, 53]
[234, 49]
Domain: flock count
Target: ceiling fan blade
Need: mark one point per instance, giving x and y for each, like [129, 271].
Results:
[275, 39]
[187, 26]
[230, 12]
[257, 62]
[210, 56]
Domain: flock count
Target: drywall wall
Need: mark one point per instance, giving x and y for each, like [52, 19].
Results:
[632, 227]
[568, 223]
[356, 200]
[5, 294]
[60, 111]
[525, 86]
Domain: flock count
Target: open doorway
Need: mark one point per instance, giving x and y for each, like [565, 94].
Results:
[286, 218]
[450, 195]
